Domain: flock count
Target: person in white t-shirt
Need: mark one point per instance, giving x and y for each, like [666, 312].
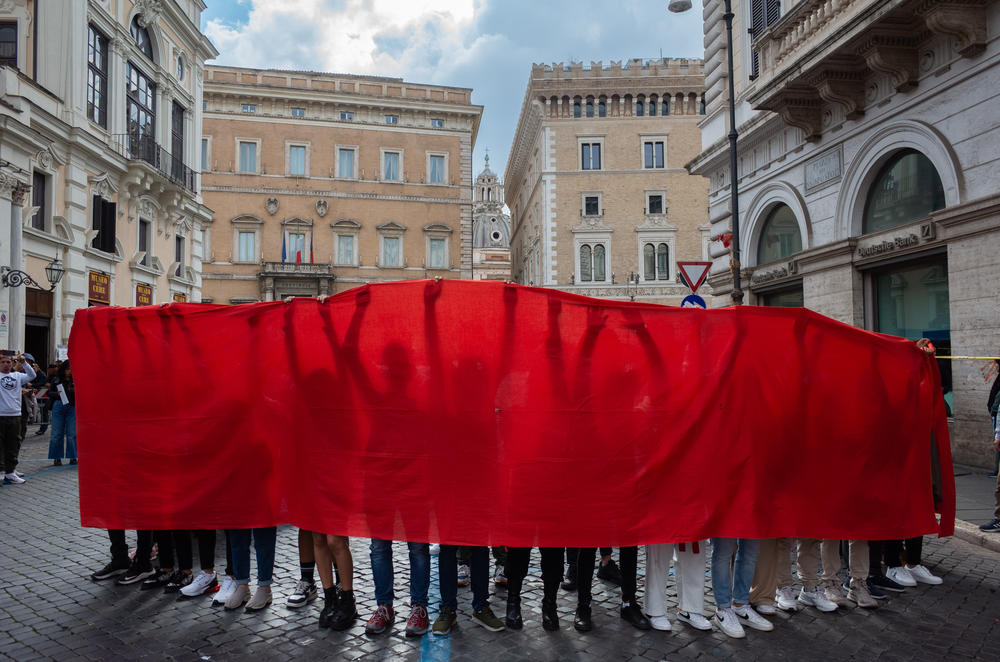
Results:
[11, 383]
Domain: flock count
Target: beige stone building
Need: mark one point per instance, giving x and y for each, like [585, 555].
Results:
[868, 170]
[600, 201]
[321, 182]
[100, 119]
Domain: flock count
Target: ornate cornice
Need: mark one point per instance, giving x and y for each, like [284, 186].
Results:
[894, 56]
[965, 20]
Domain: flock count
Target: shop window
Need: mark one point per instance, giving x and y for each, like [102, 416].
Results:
[786, 298]
[907, 188]
[780, 237]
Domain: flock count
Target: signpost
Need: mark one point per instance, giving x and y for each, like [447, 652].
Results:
[693, 274]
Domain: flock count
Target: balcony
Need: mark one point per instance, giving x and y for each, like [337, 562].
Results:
[292, 269]
[144, 148]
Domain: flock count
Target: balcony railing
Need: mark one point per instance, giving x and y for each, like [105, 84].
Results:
[144, 148]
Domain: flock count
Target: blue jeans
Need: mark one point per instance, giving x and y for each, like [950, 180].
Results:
[479, 567]
[732, 583]
[263, 544]
[63, 429]
[420, 571]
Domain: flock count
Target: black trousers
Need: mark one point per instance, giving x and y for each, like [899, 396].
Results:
[894, 551]
[572, 553]
[628, 559]
[143, 548]
[179, 542]
[10, 442]
[517, 570]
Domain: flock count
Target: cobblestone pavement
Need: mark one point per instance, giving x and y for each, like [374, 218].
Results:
[50, 609]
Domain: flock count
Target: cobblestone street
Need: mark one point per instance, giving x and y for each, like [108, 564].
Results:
[50, 609]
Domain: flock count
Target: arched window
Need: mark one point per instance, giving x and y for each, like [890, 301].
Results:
[639, 108]
[655, 261]
[141, 37]
[666, 105]
[649, 262]
[780, 236]
[652, 105]
[907, 188]
[662, 261]
[602, 108]
[599, 262]
[586, 264]
[577, 110]
[590, 107]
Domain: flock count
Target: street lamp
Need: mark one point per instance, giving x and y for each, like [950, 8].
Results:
[632, 285]
[15, 277]
[678, 6]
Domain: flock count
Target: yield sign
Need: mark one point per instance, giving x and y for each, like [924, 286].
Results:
[694, 273]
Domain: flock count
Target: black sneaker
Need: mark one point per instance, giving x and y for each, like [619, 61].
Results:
[991, 526]
[156, 580]
[609, 572]
[177, 580]
[135, 574]
[885, 584]
[110, 570]
[875, 590]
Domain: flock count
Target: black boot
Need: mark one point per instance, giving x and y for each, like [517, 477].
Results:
[330, 604]
[345, 613]
[550, 618]
[514, 620]
[582, 622]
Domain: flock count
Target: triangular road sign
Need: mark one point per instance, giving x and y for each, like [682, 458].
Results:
[694, 273]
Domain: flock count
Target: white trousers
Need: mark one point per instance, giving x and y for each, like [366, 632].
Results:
[689, 574]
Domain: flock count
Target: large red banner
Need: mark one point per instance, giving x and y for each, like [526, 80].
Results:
[489, 413]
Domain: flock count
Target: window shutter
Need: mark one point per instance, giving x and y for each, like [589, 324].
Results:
[758, 21]
[107, 233]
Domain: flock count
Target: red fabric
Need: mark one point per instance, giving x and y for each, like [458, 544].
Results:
[486, 413]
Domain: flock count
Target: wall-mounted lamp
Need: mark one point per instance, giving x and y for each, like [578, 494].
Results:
[15, 277]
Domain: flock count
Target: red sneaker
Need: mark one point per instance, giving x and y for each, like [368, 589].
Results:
[380, 620]
[418, 623]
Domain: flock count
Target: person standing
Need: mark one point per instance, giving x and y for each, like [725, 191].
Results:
[479, 563]
[630, 610]
[994, 524]
[62, 442]
[420, 580]
[11, 383]
[264, 541]
[731, 580]
[689, 575]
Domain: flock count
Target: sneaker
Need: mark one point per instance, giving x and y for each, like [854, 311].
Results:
[992, 526]
[752, 619]
[463, 575]
[767, 610]
[875, 591]
[632, 615]
[156, 580]
[694, 619]
[435, 549]
[610, 572]
[661, 623]
[884, 583]
[833, 593]
[500, 576]
[109, 571]
[261, 598]
[419, 622]
[57, 462]
[304, 593]
[18, 474]
[135, 574]
[727, 621]
[923, 575]
[239, 596]
[901, 576]
[444, 621]
[228, 586]
[12, 479]
[380, 620]
[815, 598]
[784, 599]
[488, 619]
[203, 583]
[178, 580]
[859, 595]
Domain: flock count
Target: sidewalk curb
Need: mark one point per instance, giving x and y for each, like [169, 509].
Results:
[970, 533]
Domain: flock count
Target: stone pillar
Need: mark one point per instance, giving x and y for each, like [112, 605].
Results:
[7, 184]
[15, 314]
[269, 289]
[117, 120]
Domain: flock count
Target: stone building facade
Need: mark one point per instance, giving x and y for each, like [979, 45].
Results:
[100, 116]
[321, 182]
[868, 170]
[490, 228]
[600, 202]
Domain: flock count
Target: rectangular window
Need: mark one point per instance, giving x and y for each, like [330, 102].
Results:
[763, 14]
[436, 167]
[248, 107]
[8, 43]
[103, 220]
[247, 246]
[144, 246]
[392, 119]
[346, 163]
[177, 142]
[390, 166]
[652, 154]
[390, 251]
[345, 249]
[437, 124]
[179, 255]
[248, 156]
[438, 247]
[140, 107]
[298, 112]
[593, 263]
[204, 154]
[346, 115]
[654, 204]
[297, 247]
[591, 205]
[591, 156]
[97, 77]
[38, 195]
[297, 160]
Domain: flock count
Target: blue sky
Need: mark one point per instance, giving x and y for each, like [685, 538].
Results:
[488, 45]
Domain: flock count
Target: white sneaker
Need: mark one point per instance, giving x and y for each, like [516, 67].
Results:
[694, 619]
[659, 623]
[13, 478]
[228, 586]
[200, 584]
[435, 549]
[901, 576]
[767, 610]
[785, 599]
[923, 575]
[261, 598]
[815, 598]
[239, 596]
[728, 622]
[752, 619]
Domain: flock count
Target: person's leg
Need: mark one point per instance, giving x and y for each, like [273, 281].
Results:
[552, 569]
[585, 559]
[323, 559]
[448, 576]
[239, 539]
[830, 550]
[381, 560]
[572, 553]
[807, 560]
[782, 561]
[722, 571]
[307, 558]
[628, 558]
[914, 550]
[144, 549]
[9, 430]
[71, 433]
[119, 548]
[58, 434]
[765, 579]
[893, 551]
[182, 543]
[689, 575]
[479, 570]
[206, 549]
[875, 549]
[743, 569]
[420, 572]
[516, 567]
[264, 542]
[657, 568]
[346, 610]
[165, 546]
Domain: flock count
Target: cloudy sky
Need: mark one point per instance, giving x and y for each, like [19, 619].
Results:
[488, 45]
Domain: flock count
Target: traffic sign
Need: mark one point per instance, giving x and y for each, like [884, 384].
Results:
[693, 301]
[694, 273]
